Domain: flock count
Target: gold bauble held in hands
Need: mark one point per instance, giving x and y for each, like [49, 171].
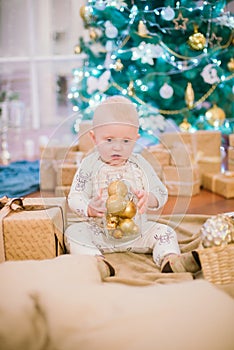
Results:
[215, 116]
[129, 211]
[128, 226]
[115, 204]
[117, 187]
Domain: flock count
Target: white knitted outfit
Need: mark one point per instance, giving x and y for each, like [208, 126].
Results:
[93, 174]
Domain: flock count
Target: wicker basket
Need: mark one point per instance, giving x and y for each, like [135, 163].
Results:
[218, 264]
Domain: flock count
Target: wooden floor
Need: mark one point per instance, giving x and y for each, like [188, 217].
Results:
[205, 202]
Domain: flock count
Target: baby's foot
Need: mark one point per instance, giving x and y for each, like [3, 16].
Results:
[186, 262]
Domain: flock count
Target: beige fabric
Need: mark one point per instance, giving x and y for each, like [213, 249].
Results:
[62, 303]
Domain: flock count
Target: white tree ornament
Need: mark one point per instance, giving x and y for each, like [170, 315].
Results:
[209, 74]
[100, 83]
[166, 91]
[145, 52]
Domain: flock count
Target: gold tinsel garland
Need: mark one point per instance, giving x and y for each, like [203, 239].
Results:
[163, 111]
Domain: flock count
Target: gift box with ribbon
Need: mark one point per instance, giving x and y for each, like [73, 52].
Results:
[220, 183]
[32, 228]
[181, 181]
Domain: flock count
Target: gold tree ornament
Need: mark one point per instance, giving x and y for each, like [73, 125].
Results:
[197, 41]
[131, 90]
[77, 49]
[180, 22]
[230, 65]
[215, 116]
[189, 95]
[118, 66]
[142, 30]
[85, 13]
[93, 34]
[185, 126]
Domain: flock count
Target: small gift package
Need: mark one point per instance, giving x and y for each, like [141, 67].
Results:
[220, 183]
[216, 251]
[122, 222]
[32, 228]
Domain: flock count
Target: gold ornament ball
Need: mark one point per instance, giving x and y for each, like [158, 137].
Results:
[127, 226]
[77, 49]
[215, 116]
[83, 11]
[118, 234]
[130, 211]
[230, 65]
[115, 204]
[197, 41]
[93, 34]
[117, 187]
[217, 231]
[185, 126]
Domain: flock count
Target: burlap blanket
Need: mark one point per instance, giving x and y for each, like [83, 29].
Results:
[139, 269]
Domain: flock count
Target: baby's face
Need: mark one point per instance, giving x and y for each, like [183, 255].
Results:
[115, 142]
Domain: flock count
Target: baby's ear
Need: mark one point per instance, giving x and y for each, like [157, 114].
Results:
[91, 133]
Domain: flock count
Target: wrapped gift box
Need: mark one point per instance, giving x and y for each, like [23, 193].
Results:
[62, 191]
[230, 158]
[169, 139]
[52, 156]
[231, 140]
[154, 162]
[66, 173]
[181, 181]
[159, 152]
[34, 231]
[181, 155]
[220, 183]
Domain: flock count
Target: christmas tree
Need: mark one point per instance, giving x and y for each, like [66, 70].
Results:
[174, 59]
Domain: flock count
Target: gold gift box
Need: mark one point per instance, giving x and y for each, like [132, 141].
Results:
[34, 232]
[220, 183]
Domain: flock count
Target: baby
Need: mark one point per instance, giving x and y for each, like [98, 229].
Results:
[115, 132]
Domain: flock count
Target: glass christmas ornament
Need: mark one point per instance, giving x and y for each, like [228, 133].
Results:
[197, 41]
[217, 231]
[215, 116]
[122, 221]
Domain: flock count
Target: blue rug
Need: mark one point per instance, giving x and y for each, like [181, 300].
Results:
[19, 178]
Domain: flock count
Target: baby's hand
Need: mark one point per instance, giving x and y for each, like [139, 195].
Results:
[143, 198]
[96, 206]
